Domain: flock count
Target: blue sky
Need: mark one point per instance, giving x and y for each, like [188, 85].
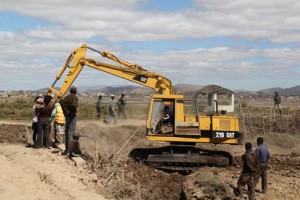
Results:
[240, 45]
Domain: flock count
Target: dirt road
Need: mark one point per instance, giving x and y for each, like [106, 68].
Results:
[27, 173]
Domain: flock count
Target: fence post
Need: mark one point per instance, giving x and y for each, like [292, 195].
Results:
[271, 118]
[251, 124]
[241, 110]
[263, 123]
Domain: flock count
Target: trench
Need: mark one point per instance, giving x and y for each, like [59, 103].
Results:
[15, 133]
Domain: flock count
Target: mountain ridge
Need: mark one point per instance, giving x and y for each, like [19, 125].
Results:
[185, 89]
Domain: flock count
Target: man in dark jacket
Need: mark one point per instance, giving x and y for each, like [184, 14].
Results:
[98, 107]
[263, 155]
[43, 124]
[121, 107]
[248, 173]
[277, 101]
[70, 105]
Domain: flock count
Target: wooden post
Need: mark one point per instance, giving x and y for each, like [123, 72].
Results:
[263, 123]
[241, 110]
[251, 124]
[271, 118]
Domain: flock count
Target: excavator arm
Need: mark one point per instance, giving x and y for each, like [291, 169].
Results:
[132, 72]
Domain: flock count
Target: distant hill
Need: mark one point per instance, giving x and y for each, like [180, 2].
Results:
[185, 89]
[292, 91]
[188, 90]
[128, 90]
[140, 90]
[270, 91]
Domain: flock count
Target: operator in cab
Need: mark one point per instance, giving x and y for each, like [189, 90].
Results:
[164, 120]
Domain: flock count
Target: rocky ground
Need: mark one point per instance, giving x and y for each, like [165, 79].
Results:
[108, 173]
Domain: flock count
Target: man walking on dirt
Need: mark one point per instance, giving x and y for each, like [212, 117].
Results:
[111, 111]
[277, 101]
[248, 173]
[98, 107]
[70, 105]
[121, 107]
[263, 155]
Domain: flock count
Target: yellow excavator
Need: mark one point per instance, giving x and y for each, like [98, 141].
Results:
[184, 127]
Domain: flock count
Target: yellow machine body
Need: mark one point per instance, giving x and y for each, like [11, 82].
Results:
[187, 125]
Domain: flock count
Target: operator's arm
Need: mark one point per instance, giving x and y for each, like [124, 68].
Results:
[167, 116]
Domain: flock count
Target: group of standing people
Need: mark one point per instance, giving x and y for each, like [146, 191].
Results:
[112, 114]
[255, 167]
[62, 112]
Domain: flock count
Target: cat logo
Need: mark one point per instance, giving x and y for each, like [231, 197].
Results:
[141, 78]
[230, 134]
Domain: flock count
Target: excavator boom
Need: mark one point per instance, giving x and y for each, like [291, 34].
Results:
[132, 72]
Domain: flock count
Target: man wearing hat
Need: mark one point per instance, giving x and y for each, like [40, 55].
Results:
[111, 109]
[121, 107]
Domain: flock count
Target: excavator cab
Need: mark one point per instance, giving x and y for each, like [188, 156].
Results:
[172, 115]
[162, 116]
[185, 125]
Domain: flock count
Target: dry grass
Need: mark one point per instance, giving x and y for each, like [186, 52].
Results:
[286, 141]
[21, 109]
[208, 186]
[128, 180]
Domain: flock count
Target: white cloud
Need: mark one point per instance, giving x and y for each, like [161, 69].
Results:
[122, 21]
[43, 49]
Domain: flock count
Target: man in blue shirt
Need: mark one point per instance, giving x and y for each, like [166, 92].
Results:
[263, 155]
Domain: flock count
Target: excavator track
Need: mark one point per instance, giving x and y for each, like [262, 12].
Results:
[180, 158]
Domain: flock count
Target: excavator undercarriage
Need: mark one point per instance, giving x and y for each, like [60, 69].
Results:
[180, 158]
